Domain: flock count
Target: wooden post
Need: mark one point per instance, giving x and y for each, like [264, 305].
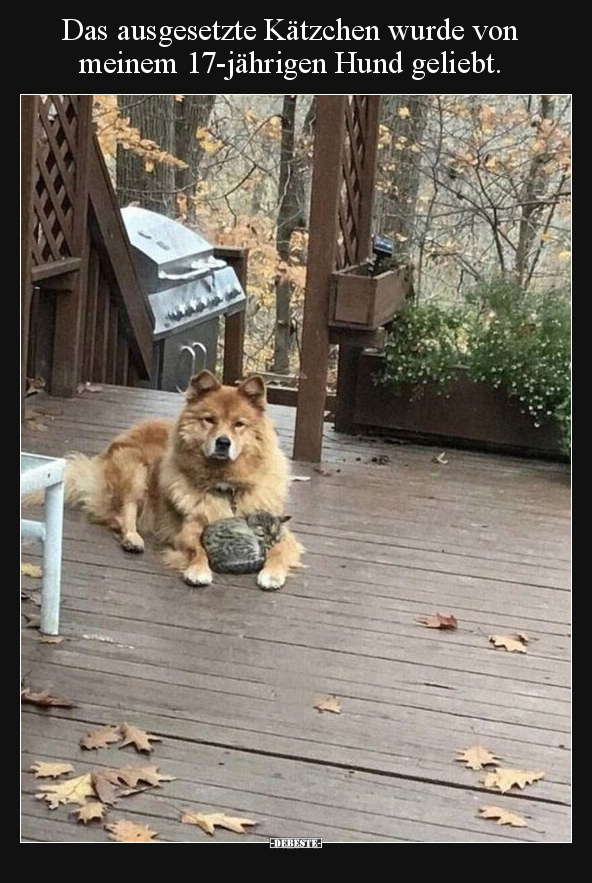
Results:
[28, 141]
[234, 326]
[350, 353]
[326, 185]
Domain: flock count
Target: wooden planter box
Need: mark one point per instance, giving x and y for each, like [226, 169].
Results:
[362, 301]
[466, 414]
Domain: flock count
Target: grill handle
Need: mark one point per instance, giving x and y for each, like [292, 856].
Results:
[191, 350]
[177, 277]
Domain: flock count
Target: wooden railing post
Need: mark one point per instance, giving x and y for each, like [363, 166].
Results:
[326, 186]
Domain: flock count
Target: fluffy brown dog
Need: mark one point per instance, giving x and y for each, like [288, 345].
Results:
[170, 479]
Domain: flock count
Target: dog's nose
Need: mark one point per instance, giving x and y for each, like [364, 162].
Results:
[223, 443]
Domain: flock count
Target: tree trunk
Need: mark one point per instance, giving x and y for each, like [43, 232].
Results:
[405, 116]
[191, 114]
[534, 188]
[154, 116]
[291, 216]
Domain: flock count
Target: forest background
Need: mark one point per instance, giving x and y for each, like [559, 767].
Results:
[469, 187]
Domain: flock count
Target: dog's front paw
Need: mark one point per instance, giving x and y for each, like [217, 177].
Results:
[271, 580]
[132, 542]
[198, 576]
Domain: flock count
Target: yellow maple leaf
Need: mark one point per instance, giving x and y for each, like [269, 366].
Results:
[513, 643]
[505, 779]
[140, 739]
[94, 809]
[329, 703]
[31, 570]
[101, 737]
[69, 791]
[47, 769]
[476, 757]
[209, 821]
[125, 831]
[404, 112]
[503, 817]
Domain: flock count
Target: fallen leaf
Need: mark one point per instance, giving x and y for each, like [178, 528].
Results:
[37, 425]
[513, 643]
[441, 458]
[49, 639]
[47, 769]
[33, 620]
[89, 387]
[45, 698]
[503, 817]
[323, 471]
[504, 779]
[300, 478]
[125, 831]
[208, 821]
[140, 739]
[33, 597]
[94, 809]
[438, 621]
[329, 703]
[31, 570]
[477, 757]
[101, 738]
[69, 791]
[109, 782]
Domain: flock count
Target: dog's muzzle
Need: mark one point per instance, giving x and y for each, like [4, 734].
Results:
[222, 448]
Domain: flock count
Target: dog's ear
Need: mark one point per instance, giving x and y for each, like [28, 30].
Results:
[253, 387]
[284, 518]
[200, 384]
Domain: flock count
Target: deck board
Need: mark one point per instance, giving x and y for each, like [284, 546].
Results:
[228, 675]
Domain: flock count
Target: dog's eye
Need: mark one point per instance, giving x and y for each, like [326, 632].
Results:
[239, 423]
[208, 419]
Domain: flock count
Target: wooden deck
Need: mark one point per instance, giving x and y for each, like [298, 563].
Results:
[227, 676]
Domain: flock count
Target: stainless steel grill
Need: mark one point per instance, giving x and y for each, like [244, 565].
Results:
[188, 289]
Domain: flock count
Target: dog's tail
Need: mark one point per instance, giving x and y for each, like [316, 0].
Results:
[83, 485]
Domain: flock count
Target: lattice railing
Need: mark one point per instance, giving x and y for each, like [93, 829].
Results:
[355, 197]
[55, 178]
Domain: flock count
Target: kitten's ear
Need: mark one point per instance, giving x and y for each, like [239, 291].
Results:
[285, 518]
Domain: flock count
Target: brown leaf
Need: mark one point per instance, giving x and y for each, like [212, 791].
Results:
[441, 458]
[504, 779]
[208, 821]
[33, 620]
[503, 816]
[94, 809]
[477, 757]
[31, 570]
[89, 387]
[49, 639]
[329, 703]
[140, 739]
[101, 738]
[33, 597]
[125, 831]
[37, 425]
[45, 698]
[513, 643]
[109, 783]
[46, 769]
[69, 791]
[438, 621]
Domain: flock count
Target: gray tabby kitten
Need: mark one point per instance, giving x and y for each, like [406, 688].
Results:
[240, 544]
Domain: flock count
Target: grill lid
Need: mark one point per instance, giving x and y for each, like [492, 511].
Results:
[165, 241]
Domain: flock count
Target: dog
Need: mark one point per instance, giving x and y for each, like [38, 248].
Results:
[170, 479]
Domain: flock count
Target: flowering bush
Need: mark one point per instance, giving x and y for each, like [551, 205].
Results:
[519, 341]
